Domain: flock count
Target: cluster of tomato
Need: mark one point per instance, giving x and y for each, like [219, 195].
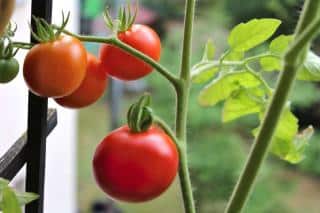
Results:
[59, 67]
[63, 70]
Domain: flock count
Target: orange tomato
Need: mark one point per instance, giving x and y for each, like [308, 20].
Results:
[91, 88]
[57, 68]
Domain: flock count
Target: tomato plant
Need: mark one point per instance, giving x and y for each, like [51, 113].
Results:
[125, 66]
[56, 68]
[135, 166]
[139, 161]
[91, 88]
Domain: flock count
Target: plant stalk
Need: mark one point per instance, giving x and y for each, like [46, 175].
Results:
[182, 94]
[278, 102]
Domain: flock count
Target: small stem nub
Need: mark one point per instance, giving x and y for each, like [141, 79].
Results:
[123, 22]
[45, 32]
[140, 115]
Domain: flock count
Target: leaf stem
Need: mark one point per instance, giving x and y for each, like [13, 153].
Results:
[161, 123]
[182, 94]
[258, 77]
[269, 124]
[118, 43]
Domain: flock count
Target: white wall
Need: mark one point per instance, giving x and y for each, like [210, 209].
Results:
[60, 189]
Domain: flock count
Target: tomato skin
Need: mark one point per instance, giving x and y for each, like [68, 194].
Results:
[124, 66]
[91, 88]
[135, 167]
[55, 69]
[9, 69]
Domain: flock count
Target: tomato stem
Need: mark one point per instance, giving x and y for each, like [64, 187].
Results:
[182, 94]
[165, 127]
[118, 43]
[304, 33]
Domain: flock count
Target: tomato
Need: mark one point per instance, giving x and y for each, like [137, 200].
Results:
[57, 68]
[135, 167]
[124, 66]
[9, 69]
[91, 88]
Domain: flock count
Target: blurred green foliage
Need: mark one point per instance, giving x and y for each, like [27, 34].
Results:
[217, 152]
[285, 10]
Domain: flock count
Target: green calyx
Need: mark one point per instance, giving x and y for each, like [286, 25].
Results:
[7, 49]
[139, 115]
[45, 32]
[124, 20]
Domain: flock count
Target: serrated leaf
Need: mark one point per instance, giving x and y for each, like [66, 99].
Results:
[286, 143]
[311, 68]
[278, 46]
[222, 87]
[10, 203]
[209, 51]
[248, 35]
[26, 197]
[203, 72]
[243, 102]
[301, 141]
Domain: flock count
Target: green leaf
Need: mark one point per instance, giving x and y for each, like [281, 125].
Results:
[301, 141]
[248, 35]
[243, 102]
[26, 197]
[205, 69]
[311, 68]
[278, 46]
[10, 203]
[286, 143]
[270, 64]
[3, 183]
[222, 87]
[234, 56]
[209, 51]
[203, 72]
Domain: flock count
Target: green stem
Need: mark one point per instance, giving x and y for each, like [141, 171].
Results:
[222, 63]
[161, 123]
[269, 124]
[258, 77]
[116, 42]
[182, 93]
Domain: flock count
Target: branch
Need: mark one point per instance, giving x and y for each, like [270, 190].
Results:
[116, 42]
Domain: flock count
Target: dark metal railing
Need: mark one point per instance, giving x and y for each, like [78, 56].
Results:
[30, 148]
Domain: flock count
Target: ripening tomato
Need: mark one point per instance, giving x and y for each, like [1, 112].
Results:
[9, 69]
[124, 66]
[55, 69]
[91, 88]
[135, 167]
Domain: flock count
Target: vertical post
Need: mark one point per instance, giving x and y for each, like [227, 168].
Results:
[37, 127]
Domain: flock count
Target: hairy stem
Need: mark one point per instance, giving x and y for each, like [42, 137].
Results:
[182, 94]
[279, 99]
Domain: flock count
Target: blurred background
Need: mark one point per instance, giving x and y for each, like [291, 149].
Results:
[217, 151]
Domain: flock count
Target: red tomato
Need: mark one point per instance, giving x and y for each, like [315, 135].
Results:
[91, 88]
[57, 68]
[124, 66]
[135, 167]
